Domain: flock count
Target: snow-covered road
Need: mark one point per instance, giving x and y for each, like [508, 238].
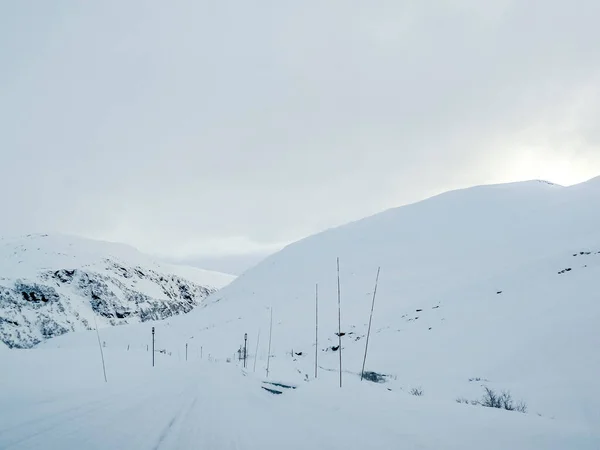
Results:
[216, 405]
[200, 406]
[201, 409]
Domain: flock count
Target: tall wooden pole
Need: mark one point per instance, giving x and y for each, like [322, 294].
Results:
[245, 348]
[339, 319]
[316, 327]
[370, 319]
[101, 352]
[256, 352]
[269, 352]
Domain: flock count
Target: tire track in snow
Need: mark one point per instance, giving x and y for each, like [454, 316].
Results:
[166, 433]
[111, 417]
[49, 424]
[108, 412]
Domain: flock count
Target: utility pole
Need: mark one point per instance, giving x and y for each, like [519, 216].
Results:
[152, 346]
[245, 348]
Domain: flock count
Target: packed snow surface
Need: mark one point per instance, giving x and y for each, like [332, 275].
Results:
[202, 404]
[493, 286]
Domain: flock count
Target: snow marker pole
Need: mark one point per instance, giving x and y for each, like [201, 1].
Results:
[152, 346]
[270, 333]
[339, 319]
[256, 352]
[316, 326]
[101, 352]
[186, 351]
[245, 348]
[369, 330]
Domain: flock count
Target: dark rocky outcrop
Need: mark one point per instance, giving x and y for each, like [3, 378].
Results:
[55, 301]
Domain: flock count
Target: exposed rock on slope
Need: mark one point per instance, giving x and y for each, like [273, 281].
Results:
[50, 285]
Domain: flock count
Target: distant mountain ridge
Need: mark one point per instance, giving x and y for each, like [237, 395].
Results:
[53, 284]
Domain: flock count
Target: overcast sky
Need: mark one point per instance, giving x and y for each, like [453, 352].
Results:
[217, 131]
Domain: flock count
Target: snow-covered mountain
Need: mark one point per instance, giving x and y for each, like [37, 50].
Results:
[495, 283]
[53, 284]
[492, 286]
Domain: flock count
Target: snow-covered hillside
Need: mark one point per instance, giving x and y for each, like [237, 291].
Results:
[50, 285]
[495, 283]
[493, 286]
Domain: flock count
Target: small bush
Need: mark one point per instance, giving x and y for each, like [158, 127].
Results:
[374, 377]
[490, 399]
[417, 392]
[521, 407]
[477, 379]
[503, 400]
[462, 400]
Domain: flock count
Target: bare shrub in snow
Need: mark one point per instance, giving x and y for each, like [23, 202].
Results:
[374, 376]
[503, 400]
[490, 399]
[521, 407]
[417, 391]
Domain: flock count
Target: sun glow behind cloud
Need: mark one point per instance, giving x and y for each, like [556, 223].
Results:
[560, 168]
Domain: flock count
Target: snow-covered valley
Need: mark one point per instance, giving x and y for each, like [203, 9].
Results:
[493, 286]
